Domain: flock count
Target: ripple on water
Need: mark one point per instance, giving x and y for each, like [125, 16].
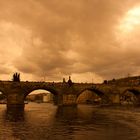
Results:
[47, 122]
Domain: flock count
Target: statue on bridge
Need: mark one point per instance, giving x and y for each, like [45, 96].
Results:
[64, 81]
[70, 81]
[16, 77]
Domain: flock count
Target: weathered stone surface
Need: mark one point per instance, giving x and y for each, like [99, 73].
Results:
[64, 94]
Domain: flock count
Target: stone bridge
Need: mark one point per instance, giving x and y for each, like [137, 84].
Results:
[64, 94]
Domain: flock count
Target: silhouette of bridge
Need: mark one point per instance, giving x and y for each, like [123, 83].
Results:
[66, 93]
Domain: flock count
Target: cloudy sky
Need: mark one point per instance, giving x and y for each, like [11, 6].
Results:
[90, 40]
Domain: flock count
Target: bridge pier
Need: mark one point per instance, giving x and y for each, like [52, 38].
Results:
[15, 107]
[68, 96]
[15, 101]
[115, 99]
[69, 100]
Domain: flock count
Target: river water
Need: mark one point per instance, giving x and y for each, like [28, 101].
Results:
[85, 122]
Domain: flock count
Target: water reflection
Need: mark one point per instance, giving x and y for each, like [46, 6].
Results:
[48, 122]
[65, 119]
[67, 112]
[14, 115]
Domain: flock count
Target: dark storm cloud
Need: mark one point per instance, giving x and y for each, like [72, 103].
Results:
[70, 38]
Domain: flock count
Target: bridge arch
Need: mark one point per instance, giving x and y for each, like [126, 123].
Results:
[40, 96]
[3, 99]
[3, 91]
[53, 91]
[50, 90]
[95, 96]
[130, 96]
[3, 96]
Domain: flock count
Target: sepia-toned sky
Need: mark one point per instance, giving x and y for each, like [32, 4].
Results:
[91, 40]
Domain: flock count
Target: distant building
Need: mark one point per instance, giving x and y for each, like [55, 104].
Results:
[48, 97]
[42, 97]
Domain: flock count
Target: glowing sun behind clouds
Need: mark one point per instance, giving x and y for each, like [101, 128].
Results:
[131, 20]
